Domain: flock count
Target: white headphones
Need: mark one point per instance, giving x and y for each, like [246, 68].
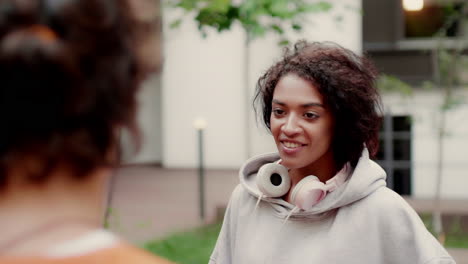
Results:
[273, 181]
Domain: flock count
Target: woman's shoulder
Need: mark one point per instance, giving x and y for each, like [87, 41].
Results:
[389, 209]
[386, 200]
[401, 228]
[239, 195]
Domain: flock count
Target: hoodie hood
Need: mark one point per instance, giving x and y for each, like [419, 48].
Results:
[363, 180]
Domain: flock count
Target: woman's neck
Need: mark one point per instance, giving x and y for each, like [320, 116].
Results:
[35, 217]
[324, 169]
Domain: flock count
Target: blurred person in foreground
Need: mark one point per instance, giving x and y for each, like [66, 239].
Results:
[320, 198]
[69, 74]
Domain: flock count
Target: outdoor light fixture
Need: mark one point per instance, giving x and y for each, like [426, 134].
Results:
[199, 123]
[413, 5]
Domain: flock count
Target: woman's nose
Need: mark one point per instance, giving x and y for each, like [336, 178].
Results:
[291, 126]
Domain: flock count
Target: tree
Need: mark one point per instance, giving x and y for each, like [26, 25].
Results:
[256, 17]
[446, 63]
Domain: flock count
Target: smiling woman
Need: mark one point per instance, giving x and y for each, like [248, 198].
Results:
[323, 110]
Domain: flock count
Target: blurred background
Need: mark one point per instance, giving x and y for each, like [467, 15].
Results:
[198, 124]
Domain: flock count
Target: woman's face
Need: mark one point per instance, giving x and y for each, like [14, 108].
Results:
[301, 124]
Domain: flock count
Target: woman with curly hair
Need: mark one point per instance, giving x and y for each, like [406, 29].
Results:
[69, 74]
[320, 198]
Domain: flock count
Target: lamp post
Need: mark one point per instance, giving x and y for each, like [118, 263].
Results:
[200, 125]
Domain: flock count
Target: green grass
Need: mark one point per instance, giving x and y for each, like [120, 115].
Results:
[455, 237]
[192, 247]
[456, 241]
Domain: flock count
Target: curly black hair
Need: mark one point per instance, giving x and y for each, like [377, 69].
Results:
[347, 83]
[69, 73]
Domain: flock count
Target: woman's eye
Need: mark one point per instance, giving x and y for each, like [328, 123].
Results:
[278, 111]
[310, 115]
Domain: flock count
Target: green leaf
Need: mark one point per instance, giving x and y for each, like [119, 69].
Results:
[221, 6]
[317, 7]
[277, 28]
[283, 42]
[280, 9]
[258, 30]
[218, 20]
[188, 5]
[249, 9]
[296, 27]
[175, 23]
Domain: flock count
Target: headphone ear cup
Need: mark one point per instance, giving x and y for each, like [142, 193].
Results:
[308, 192]
[273, 180]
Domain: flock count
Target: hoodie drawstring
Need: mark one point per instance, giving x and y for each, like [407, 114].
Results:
[294, 210]
[258, 201]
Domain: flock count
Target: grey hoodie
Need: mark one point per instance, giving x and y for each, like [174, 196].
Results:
[362, 221]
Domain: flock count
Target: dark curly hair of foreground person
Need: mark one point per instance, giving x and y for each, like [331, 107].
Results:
[69, 73]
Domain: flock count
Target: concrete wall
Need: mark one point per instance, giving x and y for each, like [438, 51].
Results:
[149, 121]
[204, 78]
[423, 108]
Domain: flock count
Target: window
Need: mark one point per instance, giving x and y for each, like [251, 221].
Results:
[395, 152]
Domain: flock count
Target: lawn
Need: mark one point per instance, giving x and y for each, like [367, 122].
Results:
[456, 235]
[192, 247]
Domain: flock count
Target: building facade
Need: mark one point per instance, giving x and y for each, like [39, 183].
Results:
[405, 44]
[204, 78]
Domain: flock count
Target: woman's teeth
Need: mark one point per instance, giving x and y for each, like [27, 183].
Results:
[291, 144]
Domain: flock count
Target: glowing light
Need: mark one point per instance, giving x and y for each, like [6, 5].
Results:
[199, 123]
[413, 5]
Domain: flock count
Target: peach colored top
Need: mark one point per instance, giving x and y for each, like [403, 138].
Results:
[119, 254]
[98, 246]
